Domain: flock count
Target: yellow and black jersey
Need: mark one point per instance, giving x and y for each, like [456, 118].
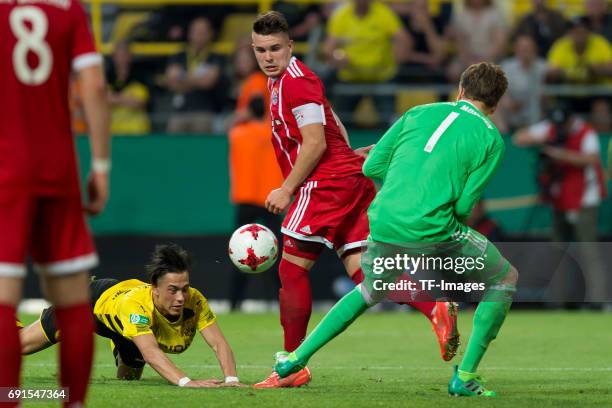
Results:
[127, 309]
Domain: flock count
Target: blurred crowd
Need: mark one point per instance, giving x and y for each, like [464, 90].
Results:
[359, 43]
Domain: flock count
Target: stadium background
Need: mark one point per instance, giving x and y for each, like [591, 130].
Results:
[176, 188]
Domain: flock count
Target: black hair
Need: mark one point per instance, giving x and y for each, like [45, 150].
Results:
[167, 258]
[269, 23]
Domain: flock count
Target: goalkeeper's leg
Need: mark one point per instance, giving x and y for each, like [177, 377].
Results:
[344, 312]
[488, 319]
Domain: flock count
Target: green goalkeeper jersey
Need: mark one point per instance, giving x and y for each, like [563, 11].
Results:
[434, 163]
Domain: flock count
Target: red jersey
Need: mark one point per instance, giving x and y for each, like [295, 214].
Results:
[297, 99]
[41, 42]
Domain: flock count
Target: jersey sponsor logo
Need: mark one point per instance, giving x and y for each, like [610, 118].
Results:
[299, 118]
[176, 349]
[274, 96]
[209, 315]
[306, 229]
[138, 319]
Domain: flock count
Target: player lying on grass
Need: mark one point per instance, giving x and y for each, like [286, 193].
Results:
[144, 321]
[435, 162]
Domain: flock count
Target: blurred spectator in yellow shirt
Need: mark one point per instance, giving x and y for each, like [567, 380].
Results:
[580, 56]
[365, 42]
[128, 97]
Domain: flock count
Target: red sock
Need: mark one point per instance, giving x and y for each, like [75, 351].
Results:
[358, 276]
[76, 327]
[295, 302]
[10, 348]
[424, 307]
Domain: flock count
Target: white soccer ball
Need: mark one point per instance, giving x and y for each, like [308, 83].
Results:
[253, 248]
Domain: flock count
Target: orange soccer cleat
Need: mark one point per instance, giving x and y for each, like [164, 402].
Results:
[444, 323]
[298, 379]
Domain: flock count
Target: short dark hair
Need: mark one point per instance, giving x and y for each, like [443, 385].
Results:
[167, 258]
[484, 82]
[271, 22]
[257, 106]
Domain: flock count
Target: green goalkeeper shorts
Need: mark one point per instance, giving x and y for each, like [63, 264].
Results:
[468, 256]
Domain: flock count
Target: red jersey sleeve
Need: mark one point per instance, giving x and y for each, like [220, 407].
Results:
[303, 90]
[83, 47]
[306, 100]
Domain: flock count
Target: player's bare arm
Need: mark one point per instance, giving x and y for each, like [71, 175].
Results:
[313, 148]
[213, 335]
[155, 357]
[94, 96]
[572, 157]
[32, 339]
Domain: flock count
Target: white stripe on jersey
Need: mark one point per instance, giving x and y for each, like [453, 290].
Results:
[302, 209]
[299, 220]
[299, 204]
[292, 73]
[278, 139]
[297, 69]
[280, 113]
[9, 269]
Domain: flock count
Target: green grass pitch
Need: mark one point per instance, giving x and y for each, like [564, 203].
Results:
[552, 359]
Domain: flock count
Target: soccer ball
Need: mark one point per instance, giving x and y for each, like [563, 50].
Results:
[253, 248]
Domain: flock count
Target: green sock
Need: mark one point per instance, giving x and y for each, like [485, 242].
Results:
[488, 319]
[344, 312]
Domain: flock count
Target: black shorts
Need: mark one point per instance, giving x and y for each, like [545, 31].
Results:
[130, 355]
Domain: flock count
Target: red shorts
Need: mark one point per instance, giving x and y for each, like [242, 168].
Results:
[50, 229]
[332, 212]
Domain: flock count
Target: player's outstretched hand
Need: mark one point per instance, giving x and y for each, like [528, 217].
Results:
[363, 151]
[212, 383]
[97, 192]
[278, 200]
